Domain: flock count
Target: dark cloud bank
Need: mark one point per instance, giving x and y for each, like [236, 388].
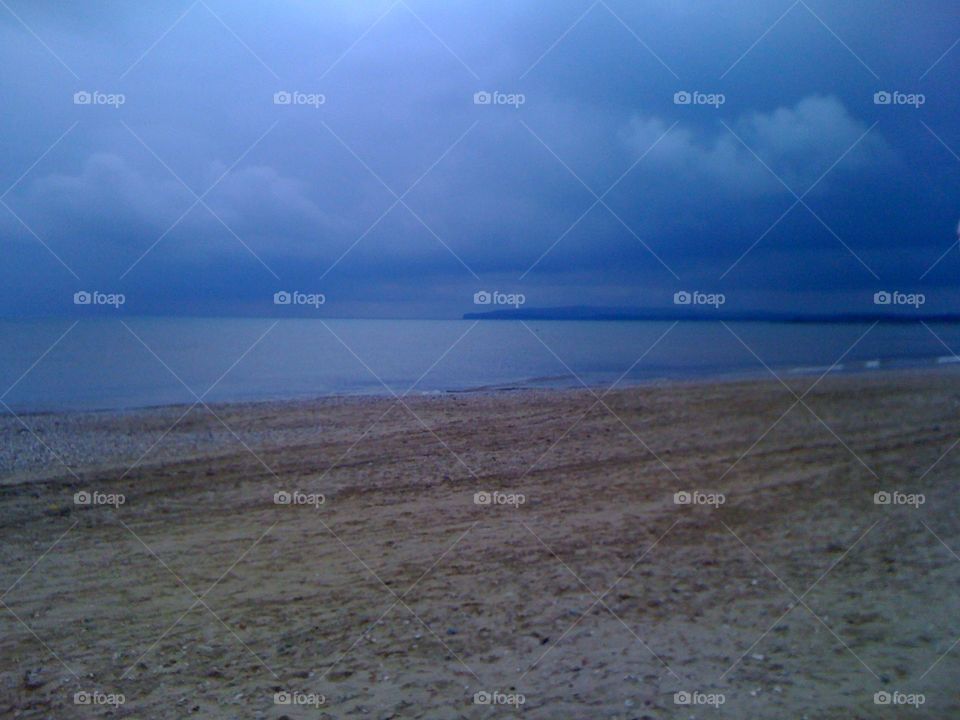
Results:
[588, 180]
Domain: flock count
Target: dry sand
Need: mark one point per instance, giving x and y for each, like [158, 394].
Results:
[400, 597]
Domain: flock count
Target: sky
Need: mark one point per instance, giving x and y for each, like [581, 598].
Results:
[233, 150]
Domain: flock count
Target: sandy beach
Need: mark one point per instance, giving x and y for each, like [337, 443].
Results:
[479, 555]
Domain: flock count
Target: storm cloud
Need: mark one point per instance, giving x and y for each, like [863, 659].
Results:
[232, 149]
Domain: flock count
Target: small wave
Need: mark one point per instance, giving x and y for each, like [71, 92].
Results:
[810, 369]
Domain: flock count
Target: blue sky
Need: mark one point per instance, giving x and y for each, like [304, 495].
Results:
[384, 186]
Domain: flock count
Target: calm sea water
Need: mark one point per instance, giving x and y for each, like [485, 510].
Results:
[101, 364]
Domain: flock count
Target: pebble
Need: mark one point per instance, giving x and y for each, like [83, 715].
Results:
[32, 679]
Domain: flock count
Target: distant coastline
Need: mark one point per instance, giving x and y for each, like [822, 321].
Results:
[585, 312]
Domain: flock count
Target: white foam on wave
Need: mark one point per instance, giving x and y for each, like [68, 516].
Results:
[808, 370]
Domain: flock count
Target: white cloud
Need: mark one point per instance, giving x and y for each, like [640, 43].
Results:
[108, 199]
[797, 143]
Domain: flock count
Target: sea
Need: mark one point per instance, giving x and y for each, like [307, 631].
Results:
[135, 362]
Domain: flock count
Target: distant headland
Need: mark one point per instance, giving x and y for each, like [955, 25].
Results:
[586, 312]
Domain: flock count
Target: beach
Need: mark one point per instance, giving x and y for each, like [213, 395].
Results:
[765, 549]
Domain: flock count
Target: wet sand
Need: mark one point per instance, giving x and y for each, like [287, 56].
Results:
[581, 588]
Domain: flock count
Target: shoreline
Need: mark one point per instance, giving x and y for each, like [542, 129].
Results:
[64, 445]
[533, 385]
